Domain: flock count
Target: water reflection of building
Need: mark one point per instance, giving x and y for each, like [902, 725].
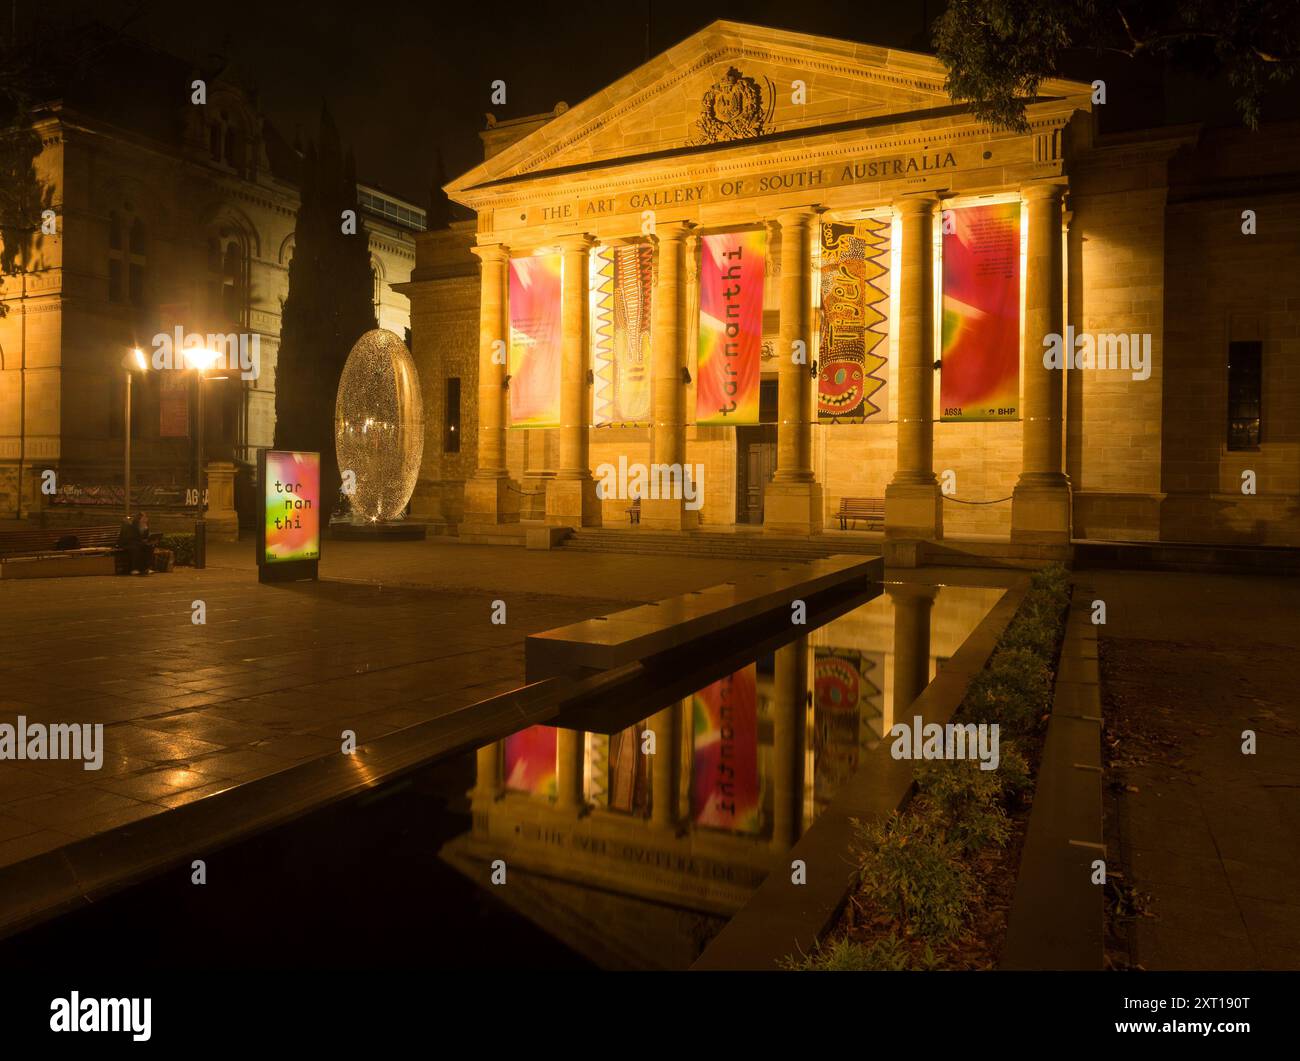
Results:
[638, 860]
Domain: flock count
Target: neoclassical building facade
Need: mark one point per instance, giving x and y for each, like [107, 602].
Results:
[1028, 337]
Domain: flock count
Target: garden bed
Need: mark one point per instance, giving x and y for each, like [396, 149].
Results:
[935, 881]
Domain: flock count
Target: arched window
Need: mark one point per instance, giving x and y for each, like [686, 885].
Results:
[126, 262]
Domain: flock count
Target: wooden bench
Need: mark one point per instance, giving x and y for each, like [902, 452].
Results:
[634, 511]
[33, 554]
[868, 509]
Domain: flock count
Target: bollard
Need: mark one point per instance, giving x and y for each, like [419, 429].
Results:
[200, 543]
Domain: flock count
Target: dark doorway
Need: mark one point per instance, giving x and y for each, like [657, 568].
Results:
[756, 457]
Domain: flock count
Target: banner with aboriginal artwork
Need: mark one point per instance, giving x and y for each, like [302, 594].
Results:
[848, 707]
[621, 282]
[980, 374]
[535, 352]
[530, 761]
[725, 790]
[853, 352]
[732, 266]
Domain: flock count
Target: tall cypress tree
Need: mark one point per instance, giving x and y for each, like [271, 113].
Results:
[329, 305]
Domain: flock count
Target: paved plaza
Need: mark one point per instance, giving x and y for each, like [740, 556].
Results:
[393, 634]
[1208, 837]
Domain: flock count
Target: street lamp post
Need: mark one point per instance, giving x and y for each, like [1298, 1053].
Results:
[201, 360]
[133, 362]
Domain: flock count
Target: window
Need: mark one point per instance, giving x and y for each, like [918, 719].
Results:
[232, 283]
[227, 276]
[451, 424]
[126, 262]
[1245, 380]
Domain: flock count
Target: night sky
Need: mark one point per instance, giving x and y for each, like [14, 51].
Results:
[404, 77]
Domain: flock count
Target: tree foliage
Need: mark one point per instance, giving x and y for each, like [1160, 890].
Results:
[998, 52]
[329, 305]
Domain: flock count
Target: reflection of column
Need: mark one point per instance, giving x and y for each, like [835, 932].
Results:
[912, 604]
[913, 504]
[570, 747]
[668, 363]
[792, 503]
[1040, 504]
[487, 775]
[664, 768]
[789, 709]
[571, 496]
[488, 497]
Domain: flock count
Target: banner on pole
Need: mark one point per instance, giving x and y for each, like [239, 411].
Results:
[535, 351]
[732, 266]
[621, 285]
[853, 353]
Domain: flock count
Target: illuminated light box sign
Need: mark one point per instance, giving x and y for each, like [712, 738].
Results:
[289, 531]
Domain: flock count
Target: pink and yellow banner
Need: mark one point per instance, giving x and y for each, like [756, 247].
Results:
[731, 327]
[621, 281]
[291, 506]
[980, 376]
[535, 353]
[530, 761]
[725, 790]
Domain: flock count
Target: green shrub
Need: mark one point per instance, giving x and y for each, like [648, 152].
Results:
[182, 545]
[1013, 770]
[887, 954]
[965, 801]
[915, 874]
[1014, 691]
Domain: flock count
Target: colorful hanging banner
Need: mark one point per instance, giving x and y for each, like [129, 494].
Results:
[725, 792]
[535, 354]
[621, 279]
[980, 376]
[731, 327]
[530, 761]
[853, 355]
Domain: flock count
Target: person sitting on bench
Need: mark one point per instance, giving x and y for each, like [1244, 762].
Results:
[134, 538]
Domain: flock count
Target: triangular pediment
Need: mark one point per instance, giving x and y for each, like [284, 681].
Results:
[727, 84]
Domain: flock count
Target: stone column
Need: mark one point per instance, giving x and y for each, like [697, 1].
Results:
[487, 775]
[789, 709]
[569, 754]
[1040, 503]
[571, 496]
[222, 520]
[668, 360]
[913, 503]
[792, 502]
[664, 768]
[912, 605]
[488, 497]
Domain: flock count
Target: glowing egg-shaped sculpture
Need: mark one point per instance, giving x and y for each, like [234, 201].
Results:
[379, 426]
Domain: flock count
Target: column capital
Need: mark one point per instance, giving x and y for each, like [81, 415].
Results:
[579, 242]
[491, 252]
[798, 217]
[923, 203]
[1041, 190]
[673, 231]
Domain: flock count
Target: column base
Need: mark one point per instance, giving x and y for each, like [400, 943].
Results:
[792, 508]
[914, 510]
[668, 514]
[1041, 512]
[572, 503]
[490, 501]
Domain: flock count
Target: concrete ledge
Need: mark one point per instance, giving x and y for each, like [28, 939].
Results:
[781, 916]
[638, 633]
[58, 566]
[1187, 556]
[1057, 915]
[545, 537]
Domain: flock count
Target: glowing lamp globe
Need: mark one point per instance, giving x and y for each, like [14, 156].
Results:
[379, 426]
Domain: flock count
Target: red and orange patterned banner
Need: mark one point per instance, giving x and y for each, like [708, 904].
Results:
[725, 790]
[980, 377]
[621, 279]
[530, 761]
[853, 354]
[535, 351]
[731, 327]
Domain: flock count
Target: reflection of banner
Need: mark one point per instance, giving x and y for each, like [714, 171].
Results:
[980, 377]
[853, 357]
[846, 702]
[724, 789]
[291, 491]
[530, 761]
[534, 367]
[621, 279]
[629, 788]
[731, 327]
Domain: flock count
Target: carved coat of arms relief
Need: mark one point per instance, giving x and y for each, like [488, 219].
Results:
[735, 107]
